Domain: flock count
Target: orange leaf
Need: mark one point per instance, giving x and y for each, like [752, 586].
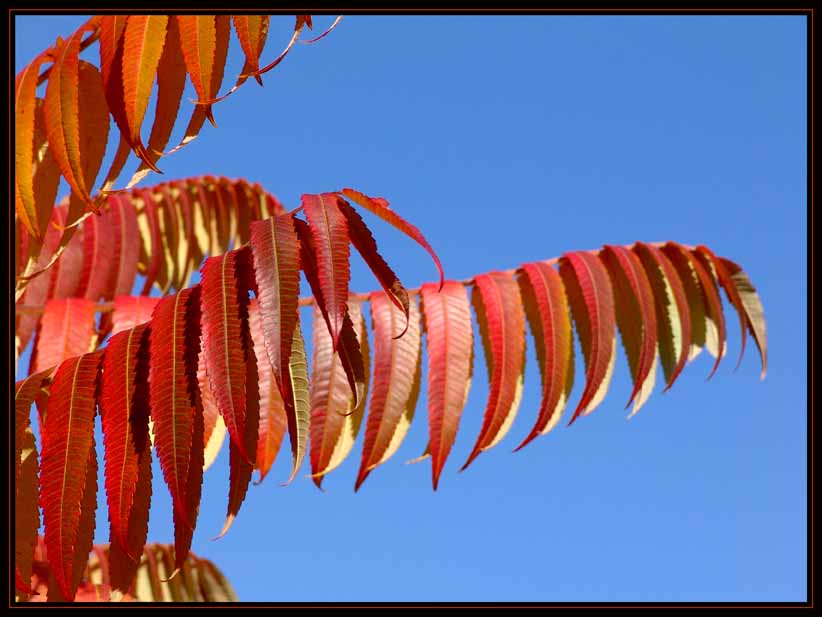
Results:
[144, 39]
[25, 144]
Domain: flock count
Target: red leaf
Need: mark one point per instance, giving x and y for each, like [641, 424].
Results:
[241, 466]
[335, 421]
[66, 330]
[212, 420]
[275, 248]
[664, 278]
[223, 303]
[124, 221]
[173, 394]
[26, 511]
[25, 391]
[364, 242]
[124, 411]
[685, 261]
[348, 349]
[272, 409]
[396, 383]
[67, 444]
[502, 327]
[123, 564]
[450, 359]
[592, 306]
[546, 308]
[184, 528]
[144, 39]
[330, 232]
[380, 207]
[130, 311]
[635, 314]
[99, 253]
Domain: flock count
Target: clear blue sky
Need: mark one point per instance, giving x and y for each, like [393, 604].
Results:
[513, 139]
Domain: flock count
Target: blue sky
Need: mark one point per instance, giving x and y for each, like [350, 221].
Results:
[512, 139]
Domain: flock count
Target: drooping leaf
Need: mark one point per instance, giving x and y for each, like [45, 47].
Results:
[395, 387]
[152, 254]
[26, 512]
[275, 248]
[681, 261]
[298, 407]
[499, 312]
[62, 114]
[144, 39]
[592, 306]
[25, 391]
[252, 30]
[272, 409]
[335, 421]
[173, 393]
[329, 229]
[171, 80]
[88, 511]
[67, 329]
[240, 466]
[99, 249]
[184, 529]
[673, 317]
[635, 317]
[380, 207]
[202, 39]
[711, 261]
[214, 428]
[68, 433]
[348, 348]
[546, 308]
[67, 272]
[124, 411]
[365, 244]
[447, 318]
[112, 30]
[751, 304]
[130, 311]
[123, 563]
[223, 303]
[26, 146]
[128, 244]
